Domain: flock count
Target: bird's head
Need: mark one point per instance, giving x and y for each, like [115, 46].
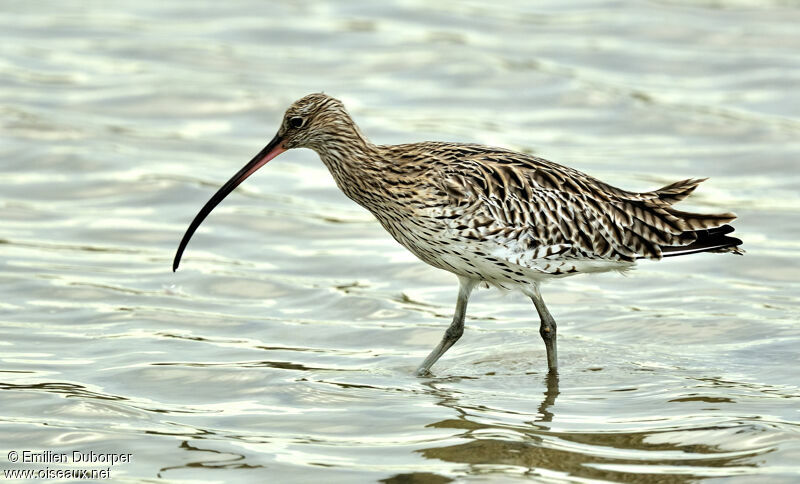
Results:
[311, 122]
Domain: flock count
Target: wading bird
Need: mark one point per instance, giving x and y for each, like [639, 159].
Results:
[490, 215]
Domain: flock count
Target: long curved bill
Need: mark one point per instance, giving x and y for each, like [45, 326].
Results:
[269, 152]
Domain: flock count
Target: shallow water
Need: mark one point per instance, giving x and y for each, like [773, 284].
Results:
[284, 347]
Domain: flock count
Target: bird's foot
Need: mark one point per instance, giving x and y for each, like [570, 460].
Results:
[422, 372]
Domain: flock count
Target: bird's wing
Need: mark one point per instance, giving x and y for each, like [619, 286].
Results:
[550, 210]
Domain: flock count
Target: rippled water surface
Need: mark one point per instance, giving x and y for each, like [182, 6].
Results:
[284, 347]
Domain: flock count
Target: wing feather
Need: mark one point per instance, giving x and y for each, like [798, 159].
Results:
[550, 205]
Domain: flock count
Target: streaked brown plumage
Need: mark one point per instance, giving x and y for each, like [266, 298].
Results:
[488, 214]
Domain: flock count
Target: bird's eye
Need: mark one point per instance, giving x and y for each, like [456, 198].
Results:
[296, 122]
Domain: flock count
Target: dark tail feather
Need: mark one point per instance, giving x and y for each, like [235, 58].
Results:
[710, 240]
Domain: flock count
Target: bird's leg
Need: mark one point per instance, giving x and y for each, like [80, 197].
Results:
[547, 329]
[456, 328]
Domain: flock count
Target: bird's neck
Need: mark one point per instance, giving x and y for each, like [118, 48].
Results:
[355, 163]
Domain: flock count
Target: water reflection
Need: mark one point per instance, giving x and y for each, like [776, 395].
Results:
[551, 382]
[539, 448]
[61, 388]
[214, 459]
[417, 478]
[479, 449]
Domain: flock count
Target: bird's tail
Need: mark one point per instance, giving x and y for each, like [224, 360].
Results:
[683, 232]
[707, 240]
